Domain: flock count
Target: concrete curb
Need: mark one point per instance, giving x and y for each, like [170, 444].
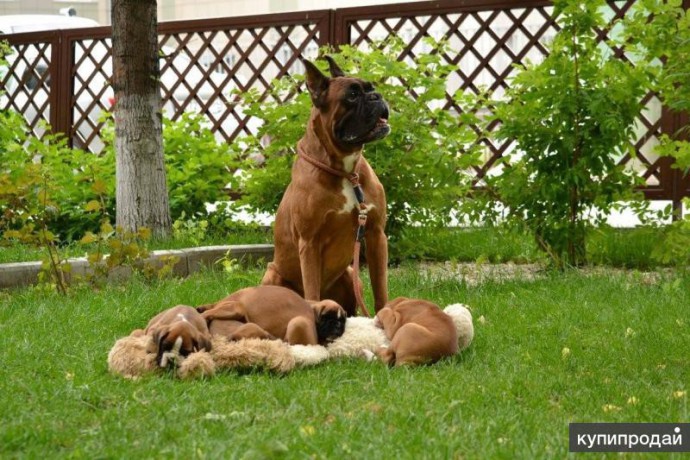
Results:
[191, 260]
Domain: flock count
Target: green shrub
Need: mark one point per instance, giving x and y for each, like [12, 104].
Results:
[658, 35]
[198, 167]
[421, 163]
[572, 118]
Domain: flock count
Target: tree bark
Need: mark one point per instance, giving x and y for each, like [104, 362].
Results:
[142, 194]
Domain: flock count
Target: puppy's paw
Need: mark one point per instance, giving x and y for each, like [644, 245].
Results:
[369, 355]
[169, 358]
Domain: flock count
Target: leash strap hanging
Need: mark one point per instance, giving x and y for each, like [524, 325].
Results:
[361, 228]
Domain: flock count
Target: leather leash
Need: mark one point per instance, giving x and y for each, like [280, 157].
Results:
[362, 221]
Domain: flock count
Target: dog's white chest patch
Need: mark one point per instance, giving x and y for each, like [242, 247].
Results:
[349, 162]
[350, 199]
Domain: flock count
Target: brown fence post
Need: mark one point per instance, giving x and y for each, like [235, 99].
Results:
[681, 178]
[61, 85]
[676, 182]
[683, 131]
[326, 28]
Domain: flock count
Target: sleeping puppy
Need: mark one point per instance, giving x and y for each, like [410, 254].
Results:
[274, 312]
[419, 332]
[178, 330]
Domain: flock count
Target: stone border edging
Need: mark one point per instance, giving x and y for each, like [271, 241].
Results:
[191, 260]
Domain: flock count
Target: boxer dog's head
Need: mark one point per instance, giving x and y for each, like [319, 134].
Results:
[352, 113]
[178, 338]
[330, 320]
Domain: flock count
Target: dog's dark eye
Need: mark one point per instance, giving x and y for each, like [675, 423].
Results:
[352, 96]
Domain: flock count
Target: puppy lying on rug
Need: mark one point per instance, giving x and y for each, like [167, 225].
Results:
[365, 339]
[132, 357]
[177, 331]
[274, 312]
[419, 332]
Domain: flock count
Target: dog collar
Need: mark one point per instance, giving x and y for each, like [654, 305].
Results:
[352, 177]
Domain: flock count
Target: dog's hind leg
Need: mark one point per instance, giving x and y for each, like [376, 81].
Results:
[343, 292]
[301, 331]
[414, 344]
[272, 277]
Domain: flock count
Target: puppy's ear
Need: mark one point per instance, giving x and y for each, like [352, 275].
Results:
[317, 84]
[333, 68]
[389, 320]
[201, 342]
[159, 336]
[395, 302]
[328, 306]
[318, 309]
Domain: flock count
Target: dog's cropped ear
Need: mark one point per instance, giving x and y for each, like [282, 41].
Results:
[317, 84]
[335, 70]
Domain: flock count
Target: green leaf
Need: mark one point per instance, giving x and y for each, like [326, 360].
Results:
[92, 206]
[88, 238]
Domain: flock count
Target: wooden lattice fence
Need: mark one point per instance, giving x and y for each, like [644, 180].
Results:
[63, 77]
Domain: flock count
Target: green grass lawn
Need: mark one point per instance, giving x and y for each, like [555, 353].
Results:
[24, 253]
[629, 248]
[510, 395]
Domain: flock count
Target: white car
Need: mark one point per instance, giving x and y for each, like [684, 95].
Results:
[17, 23]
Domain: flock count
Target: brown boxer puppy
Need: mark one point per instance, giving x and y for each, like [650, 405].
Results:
[316, 222]
[270, 312]
[419, 331]
[180, 329]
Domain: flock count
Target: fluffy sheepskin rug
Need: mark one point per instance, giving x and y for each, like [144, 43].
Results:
[362, 338]
[132, 356]
[135, 355]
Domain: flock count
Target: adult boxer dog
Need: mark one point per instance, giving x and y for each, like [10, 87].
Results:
[269, 312]
[318, 217]
[178, 330]
[419, 331]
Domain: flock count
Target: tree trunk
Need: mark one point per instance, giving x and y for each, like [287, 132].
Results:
[142, 194]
